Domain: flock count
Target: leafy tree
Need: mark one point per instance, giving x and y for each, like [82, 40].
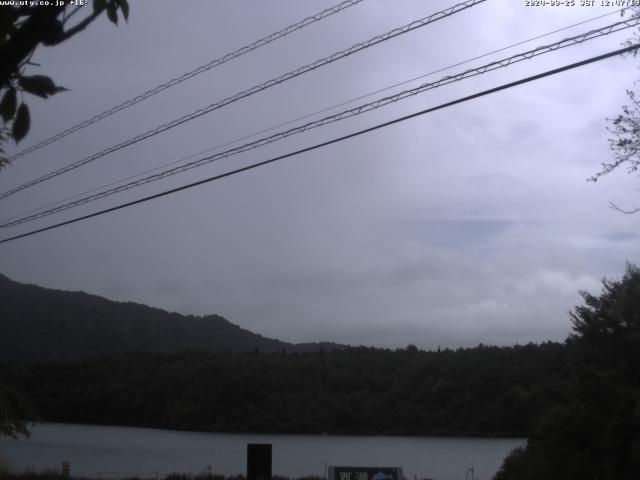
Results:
[625, 131]
[596, 433]
[624, 143]
[22, 29]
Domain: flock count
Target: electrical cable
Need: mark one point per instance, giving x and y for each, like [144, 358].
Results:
[304, 117]
[258, 88]
[332, 141]
[186, 76]
[575, 40]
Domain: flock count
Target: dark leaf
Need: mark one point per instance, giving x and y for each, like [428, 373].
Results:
[22, 123]
[52, 32]
[8, 16]
[99, 5]
[124, 7]
[8, 105]
[112, 13]
[39, 85]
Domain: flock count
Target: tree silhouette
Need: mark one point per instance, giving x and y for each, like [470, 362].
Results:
[22, 29]
[625, 132]
[595, 432]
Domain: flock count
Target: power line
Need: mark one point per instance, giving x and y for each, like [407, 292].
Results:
[339, 116]
[505, 62]
[335, 140]
[309, 115]
[258, 88]
[186, 76]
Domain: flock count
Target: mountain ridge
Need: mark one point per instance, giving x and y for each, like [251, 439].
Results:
[39, 323]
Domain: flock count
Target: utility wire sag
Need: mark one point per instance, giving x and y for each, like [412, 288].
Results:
[382, 102]
[483, 93]
[186, 76]
[297, 119]
[258, 88]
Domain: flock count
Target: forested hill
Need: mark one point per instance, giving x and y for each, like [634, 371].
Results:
[43, 324]
[492, 391]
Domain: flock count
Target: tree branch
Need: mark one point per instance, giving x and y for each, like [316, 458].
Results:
[25, 40]
[83, 24]
[626, 212]
[73, 12]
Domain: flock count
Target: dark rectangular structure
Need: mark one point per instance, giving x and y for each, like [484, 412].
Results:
[258, 461]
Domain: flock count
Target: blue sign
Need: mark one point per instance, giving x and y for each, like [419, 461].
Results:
[365, 473]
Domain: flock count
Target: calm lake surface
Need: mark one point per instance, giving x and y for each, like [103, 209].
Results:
[116, 452]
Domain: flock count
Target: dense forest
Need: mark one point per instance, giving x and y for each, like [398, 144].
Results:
[578, 402]
[480, 391]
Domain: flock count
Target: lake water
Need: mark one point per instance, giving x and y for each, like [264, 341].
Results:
[116, 452]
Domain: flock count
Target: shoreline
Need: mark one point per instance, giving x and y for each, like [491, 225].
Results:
[265, 434]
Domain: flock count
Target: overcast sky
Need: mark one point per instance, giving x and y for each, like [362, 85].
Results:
[471, 224]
